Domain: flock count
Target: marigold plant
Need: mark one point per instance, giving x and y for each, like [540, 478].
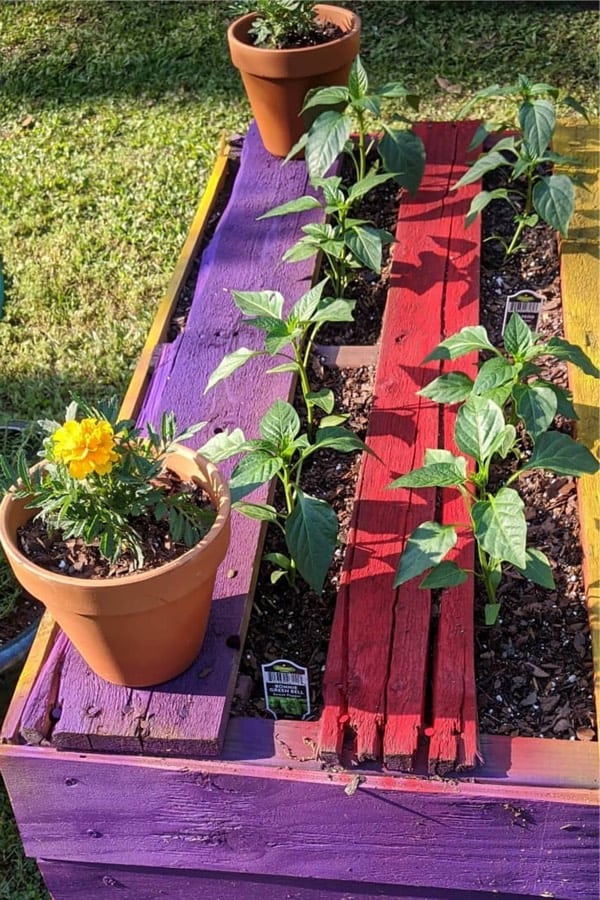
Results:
[100, 475]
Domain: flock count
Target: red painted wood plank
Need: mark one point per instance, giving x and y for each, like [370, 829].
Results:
[453, 738]
[202, 816]
[81, 881]
[190, 714]
[432, 265]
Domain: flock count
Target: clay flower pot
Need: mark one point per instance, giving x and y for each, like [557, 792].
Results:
[277, 81]
[139, 629]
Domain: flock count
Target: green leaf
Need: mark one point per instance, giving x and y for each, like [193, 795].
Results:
[304, 308]
[302, 249]
[518, 337]
[500, 527]
[223, 445]
[482, 199]
[435, 455]
[327, 96]
[537, 120]
[491, 612]
[251, 472]
[486, 163]
[311, 532]
[280, 424]
[324, 399]
[564, 400]
[440, 474]
[425, 548]
[358, 82]
[403, 152]
[504, 442]
[537, 568]
[494, 373]
[575, 105]
[279, 559]
[554, 201]
[284, 367]
[454, 387]
[259, 303]
[536, 405]
[445, 575]
[339, 310]
[557, 452]
[300, 204]
[336, 419]
[473, 337]
[571, 353]
[478, 423]
[339, 439]
[366, 184]
[365, 244]
[326, 139]
[277, 338]
[261, 511]
[230, 363]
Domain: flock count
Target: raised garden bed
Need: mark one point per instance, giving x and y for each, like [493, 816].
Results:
[283, 808]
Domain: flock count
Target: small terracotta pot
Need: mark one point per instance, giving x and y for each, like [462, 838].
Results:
[277, 81]
[144, 628]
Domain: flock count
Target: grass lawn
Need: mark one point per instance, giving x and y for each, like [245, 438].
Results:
[110, 116]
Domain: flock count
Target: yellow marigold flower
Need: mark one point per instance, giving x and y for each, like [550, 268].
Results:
[85, 447]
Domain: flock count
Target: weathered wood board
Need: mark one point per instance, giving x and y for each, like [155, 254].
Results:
[375, 679]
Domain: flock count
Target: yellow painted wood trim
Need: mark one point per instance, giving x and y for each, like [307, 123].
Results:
[580, 285]
[36, 657]
[139, 380]
[134, 395]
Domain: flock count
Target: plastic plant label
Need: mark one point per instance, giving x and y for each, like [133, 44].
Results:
[529, 306]
[286, 689]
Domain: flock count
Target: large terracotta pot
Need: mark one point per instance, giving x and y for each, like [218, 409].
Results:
[144, 628]
[277, 81]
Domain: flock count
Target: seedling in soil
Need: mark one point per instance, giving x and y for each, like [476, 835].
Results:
[347, 243]
[400, 150]
[525, 157]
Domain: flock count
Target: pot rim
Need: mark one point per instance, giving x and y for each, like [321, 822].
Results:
[222, 501]
[238, 25]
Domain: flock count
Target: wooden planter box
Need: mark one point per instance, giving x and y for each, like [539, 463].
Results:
[147, 793]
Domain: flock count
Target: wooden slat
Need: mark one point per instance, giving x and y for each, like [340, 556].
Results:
[205, 816]
[453, 730]
[580, 292]
[189, 715]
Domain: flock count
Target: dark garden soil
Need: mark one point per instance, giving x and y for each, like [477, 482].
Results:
[26, 612]
[322, 33]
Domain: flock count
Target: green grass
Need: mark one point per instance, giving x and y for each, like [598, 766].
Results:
[110, 117]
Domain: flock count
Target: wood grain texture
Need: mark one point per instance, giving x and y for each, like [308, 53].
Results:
[189, 714]
[453, 737]
[81, 881]
[203, 816]
[580, 283]
[377, 663]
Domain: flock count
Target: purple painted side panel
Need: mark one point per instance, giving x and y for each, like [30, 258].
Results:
[161, 815]
[188, 716]
[78, 881]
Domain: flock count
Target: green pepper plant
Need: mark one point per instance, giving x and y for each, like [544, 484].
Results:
[524, 155]
[347, 243]
[344, 107]
[309, 524]
[495, 518]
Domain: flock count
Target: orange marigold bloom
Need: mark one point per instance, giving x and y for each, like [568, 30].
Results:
[85, 447]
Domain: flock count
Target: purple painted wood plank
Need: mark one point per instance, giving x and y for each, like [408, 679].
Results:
[80, 881]
[189, 714]
[210, 817]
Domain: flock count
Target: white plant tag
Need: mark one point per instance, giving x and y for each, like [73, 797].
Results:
[286, 689]
[529, 306]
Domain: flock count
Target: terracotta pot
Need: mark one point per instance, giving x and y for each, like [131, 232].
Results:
[277, 81]
[143, 628]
